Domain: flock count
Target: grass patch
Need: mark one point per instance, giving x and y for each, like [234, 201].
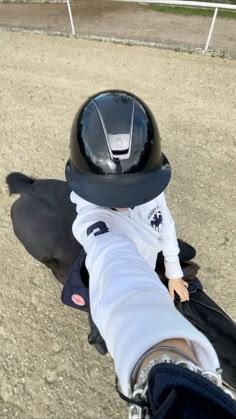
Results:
[190, 11]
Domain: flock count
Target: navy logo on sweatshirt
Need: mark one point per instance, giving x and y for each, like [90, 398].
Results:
[97, 228]
[156, 219]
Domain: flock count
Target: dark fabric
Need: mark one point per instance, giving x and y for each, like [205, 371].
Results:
[209, 319]
[186, 253]
[78, 280]
[215, 324]
[175, 392]
[94, 337]
[77, 284]
[200, 310]
[190, 270]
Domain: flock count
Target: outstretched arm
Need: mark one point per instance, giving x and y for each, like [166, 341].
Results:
[132, 310]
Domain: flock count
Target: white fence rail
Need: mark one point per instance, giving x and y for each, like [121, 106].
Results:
[201, 4]
[194, 4]
[71, 17]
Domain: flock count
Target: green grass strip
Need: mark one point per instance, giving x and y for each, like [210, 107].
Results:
[191, 11]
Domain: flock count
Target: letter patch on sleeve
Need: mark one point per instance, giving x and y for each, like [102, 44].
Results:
[97, 228]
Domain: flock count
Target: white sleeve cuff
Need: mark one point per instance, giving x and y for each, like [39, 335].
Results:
[173, 270]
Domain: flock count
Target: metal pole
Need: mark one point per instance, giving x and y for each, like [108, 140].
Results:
[71, 18]
[211, 29]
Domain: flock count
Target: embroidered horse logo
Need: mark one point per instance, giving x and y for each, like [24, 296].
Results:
[157, 221]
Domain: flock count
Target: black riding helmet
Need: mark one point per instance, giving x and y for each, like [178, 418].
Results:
[115, 152]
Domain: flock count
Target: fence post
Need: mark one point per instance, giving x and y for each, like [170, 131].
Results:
[71, 18]
[211, 29]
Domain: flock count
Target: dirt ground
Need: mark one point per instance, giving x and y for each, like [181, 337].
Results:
[47, 369]
[105, 18]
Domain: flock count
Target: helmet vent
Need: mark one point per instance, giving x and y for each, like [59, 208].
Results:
[119, 144]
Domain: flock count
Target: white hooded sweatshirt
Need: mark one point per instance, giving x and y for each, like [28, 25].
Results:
[130, 306]
[150, 226]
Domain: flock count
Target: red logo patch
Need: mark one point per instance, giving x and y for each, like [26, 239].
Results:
[78, 300]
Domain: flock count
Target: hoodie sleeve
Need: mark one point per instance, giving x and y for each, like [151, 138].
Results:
[169, 242]
[131, 308]
[90, 218]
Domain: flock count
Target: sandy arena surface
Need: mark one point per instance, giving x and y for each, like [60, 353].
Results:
[47, 369]
[104, 18]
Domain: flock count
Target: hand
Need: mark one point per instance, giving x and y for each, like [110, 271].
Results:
[180, 287]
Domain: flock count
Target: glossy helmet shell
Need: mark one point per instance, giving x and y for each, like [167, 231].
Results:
[115, 152]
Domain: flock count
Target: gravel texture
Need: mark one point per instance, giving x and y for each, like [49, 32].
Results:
[47, 369]
[133, 21]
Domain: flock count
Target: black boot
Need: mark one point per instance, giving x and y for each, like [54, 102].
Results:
[94, 337]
